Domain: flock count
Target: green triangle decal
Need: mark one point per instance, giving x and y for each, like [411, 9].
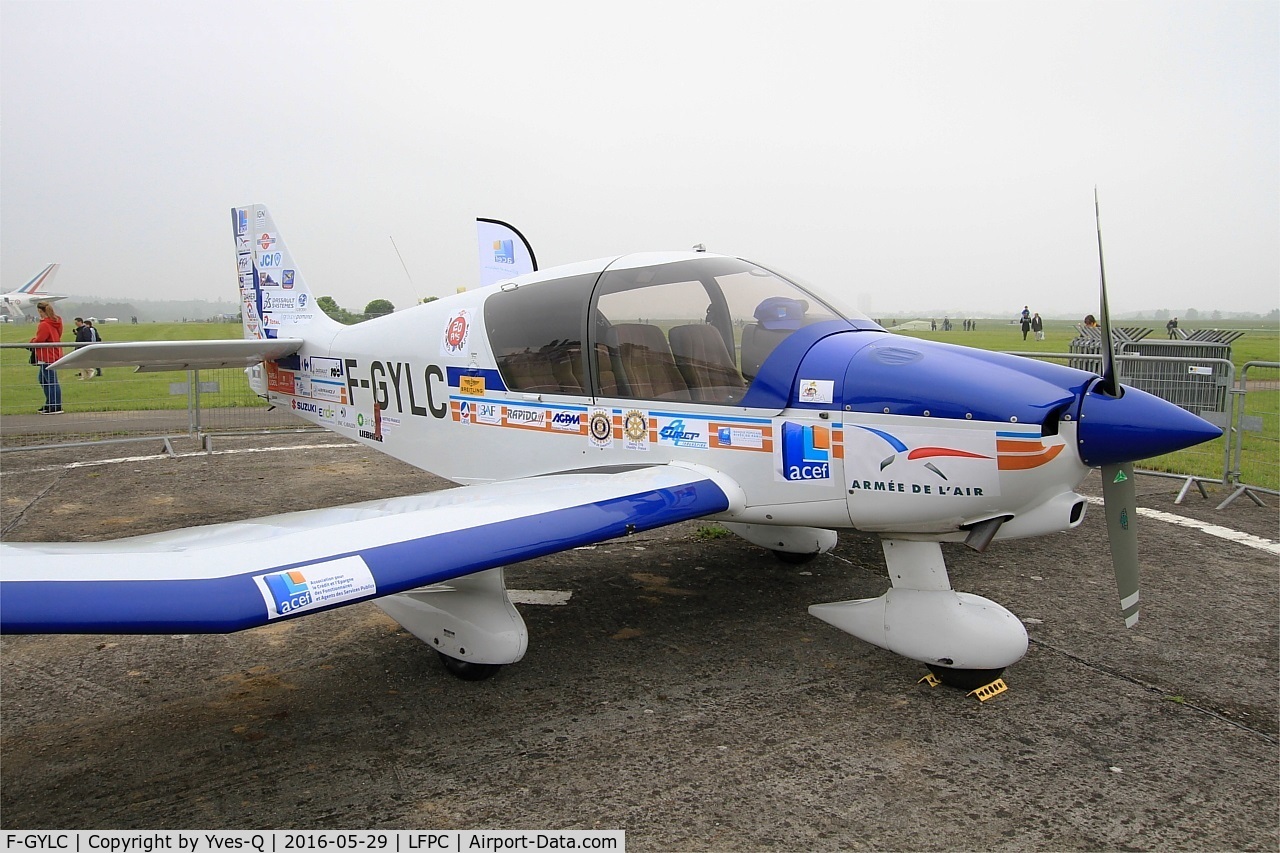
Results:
[1120, 477]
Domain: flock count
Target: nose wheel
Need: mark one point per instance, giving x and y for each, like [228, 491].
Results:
[793, 559]
[964, 679]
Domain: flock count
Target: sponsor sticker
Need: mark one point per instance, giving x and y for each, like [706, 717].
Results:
[817, 390]
[471, 385]
[635, 430]
[319, 585]
[279, 302]
[566, 421]
[891, 459]
[740, 438]
[320, 410]
[522, 417]
[318, 367]
[600, 428]
[279, 380]
[456, 333]
[806, 452]
[680, 432]
[488, 413]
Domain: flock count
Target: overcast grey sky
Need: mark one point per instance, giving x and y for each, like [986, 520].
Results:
[914, 157]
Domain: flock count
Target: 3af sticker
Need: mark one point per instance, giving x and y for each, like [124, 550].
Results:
[600, 428]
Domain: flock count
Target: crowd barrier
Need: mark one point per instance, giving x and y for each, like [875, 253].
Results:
[1255, 467]
[122, 405]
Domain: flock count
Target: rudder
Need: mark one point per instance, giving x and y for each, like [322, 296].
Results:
[274, 299]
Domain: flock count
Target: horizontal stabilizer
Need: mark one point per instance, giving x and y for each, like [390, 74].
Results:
[156, 356]
[227, 577]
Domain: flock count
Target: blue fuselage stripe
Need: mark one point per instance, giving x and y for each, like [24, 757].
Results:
[233, 603]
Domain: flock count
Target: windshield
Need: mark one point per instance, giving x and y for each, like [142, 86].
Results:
[696, 329]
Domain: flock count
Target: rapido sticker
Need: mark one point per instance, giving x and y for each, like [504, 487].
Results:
[600, 428]
[456, 332]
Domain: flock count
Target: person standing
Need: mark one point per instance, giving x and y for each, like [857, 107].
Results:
[84, 335]
[1172, 328]
[1025, 323]
[1037, 326]
[96, 338]
[49, 331]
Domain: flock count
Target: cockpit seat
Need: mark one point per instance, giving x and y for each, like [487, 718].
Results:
[643, 364]
[776, 318]
[705, 364]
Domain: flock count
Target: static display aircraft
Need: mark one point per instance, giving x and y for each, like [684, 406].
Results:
[589, 401]
[17, 302]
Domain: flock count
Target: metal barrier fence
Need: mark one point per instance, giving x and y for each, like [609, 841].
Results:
[1255, 433]
[122, 405]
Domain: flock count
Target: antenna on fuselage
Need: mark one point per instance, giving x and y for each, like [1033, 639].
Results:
[402, 263]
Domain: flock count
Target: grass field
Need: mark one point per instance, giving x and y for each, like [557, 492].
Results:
[121, 389]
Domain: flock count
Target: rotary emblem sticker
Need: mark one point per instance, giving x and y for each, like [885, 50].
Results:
[635, 430]
[600, 428]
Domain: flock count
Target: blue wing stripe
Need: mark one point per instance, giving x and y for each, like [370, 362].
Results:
[233, 603]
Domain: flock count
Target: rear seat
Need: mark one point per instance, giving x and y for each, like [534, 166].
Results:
[643, 363]
[551, 370]
[705, 363]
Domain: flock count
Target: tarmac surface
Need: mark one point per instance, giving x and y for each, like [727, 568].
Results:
[682, 694]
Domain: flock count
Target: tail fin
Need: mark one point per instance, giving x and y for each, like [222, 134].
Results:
[274, 299]
[37, 284]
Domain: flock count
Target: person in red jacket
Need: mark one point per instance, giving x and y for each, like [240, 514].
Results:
[49, 331]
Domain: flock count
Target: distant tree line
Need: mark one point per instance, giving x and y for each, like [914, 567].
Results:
[376, 308]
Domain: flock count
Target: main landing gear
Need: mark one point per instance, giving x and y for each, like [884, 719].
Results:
[468, 670]
[470, 622]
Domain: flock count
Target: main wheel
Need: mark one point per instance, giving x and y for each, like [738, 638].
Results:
[965, 679]
[466, 670]
[793, 559]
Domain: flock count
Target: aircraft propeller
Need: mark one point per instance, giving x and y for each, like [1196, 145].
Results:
[1119, 494]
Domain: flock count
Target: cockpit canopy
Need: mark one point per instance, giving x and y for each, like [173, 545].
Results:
[688, 327]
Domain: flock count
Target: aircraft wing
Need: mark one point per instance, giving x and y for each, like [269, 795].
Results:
[155, 356]
[227, 577]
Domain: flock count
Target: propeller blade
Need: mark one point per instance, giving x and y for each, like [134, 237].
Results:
[1110, 384]
[1119, 499]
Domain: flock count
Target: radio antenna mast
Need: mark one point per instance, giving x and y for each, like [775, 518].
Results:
[402, 263]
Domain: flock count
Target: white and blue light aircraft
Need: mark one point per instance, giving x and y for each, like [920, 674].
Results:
[16, 302]
[589, 401]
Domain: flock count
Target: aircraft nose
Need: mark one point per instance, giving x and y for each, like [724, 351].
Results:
[1135, 426]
